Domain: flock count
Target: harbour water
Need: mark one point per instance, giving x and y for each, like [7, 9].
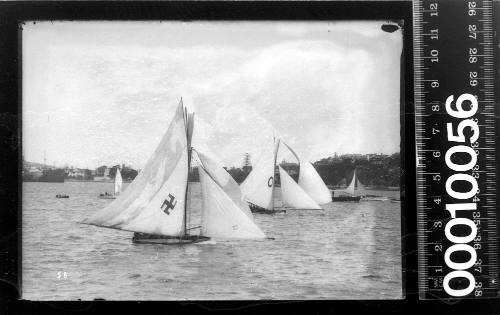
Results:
[346, 251]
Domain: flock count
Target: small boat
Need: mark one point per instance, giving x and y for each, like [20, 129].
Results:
[375, 198]
[106, 196]
[310, 181]
[257, 209]
[143, 238]
[259, 187]
[356, 192]
[355, 188]
[117, 188]
[346, 198]
[155, 204]
[62, 196]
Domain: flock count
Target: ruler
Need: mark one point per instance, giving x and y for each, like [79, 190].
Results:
[455, 149]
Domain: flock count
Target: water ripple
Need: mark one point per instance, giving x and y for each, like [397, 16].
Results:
[347, 251]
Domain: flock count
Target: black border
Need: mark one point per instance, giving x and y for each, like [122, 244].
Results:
[12, 12]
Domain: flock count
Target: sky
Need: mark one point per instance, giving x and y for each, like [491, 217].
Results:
[103, 93]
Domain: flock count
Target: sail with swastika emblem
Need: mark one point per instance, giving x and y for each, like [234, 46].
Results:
[154, 202]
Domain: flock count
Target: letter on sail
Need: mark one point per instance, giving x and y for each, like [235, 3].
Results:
[154, 201]
[258, 187]
[118, 182]
[221, 216]
[312, 184]
[292, 195]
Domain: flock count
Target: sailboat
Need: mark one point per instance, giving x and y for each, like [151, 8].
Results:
[155, 205]
[310, 181]
[259, 186]
[356, 191]
[353, 192]
[117, 187]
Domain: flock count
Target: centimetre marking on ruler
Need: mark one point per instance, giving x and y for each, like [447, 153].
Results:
[484, 86]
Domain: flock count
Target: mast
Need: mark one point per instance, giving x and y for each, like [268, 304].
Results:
[274, 171]
[294, 154]
[186, 120]
[355, 179]
[189, 133]
[186, 194]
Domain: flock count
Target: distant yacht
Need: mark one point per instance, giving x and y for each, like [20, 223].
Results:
[356, 191]
[117, 187]
[307, 194]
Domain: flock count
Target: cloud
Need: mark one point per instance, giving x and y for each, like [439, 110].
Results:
[110, 101]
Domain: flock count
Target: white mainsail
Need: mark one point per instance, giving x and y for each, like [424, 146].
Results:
[313, 185]
[292, 195]
[221, 216]
[355, 187]
[118, 182]
[310, 181]
[258, 187]
[225, 181]
[189, 126]
[154, 202]
[350, 189]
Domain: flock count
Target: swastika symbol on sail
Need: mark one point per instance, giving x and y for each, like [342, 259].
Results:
[169, 204]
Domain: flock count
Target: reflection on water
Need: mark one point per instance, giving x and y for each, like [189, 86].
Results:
[347, 251]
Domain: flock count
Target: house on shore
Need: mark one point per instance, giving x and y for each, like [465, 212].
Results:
[35, 172]
[102, 174]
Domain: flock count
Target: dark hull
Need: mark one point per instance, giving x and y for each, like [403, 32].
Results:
[141, 238]
[375, 198]
[257, 209]
[263, 211]
[107, 197]
[346, 199]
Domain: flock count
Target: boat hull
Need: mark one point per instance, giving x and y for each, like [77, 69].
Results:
[141, 238]
[257, 209]
[106, 197]
[346, 199]
[375, 198]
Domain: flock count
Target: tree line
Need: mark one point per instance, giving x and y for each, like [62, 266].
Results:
[375, 170]
[372, 170]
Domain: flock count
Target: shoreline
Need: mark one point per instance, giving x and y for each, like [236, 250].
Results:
[390, 188]
[76, 180]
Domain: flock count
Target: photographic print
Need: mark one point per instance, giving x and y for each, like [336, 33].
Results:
[211, 160]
